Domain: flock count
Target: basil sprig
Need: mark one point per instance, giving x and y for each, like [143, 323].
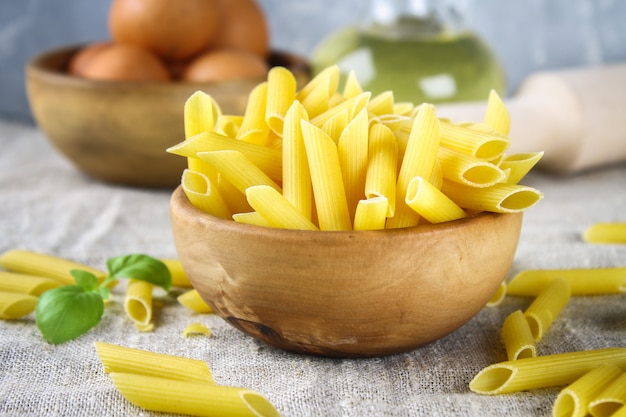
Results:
[67, 312]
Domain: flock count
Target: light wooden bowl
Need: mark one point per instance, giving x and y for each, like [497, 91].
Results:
[345, 294]
[118, 131]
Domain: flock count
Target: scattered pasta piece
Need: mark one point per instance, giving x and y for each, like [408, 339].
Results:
[26, 284]
[517, 336]
[179, 277]
[138, 304]
[14, 305]
[196, 328]
[611, 399]
[547, 306]
[499, 296]
[597, 281]
[606, 233]
[193, 301]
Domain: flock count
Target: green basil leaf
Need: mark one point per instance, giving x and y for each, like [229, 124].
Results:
[67, 312]
[85, 279]
[141, 267]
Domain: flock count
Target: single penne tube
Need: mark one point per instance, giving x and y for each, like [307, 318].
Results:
[404, 108]
[518, 165]
[116, 358]
[352, 149]
[352, 87]
[497, 298]
[275, 208]
[592, 281]
[547, 306]
[473, 142]
[316, 94]
[196, 328]
[251, 217]
[430, 203]
[281, 91]
[237, 169]
[178, 274]
[381, 178]
[381, 104]
[606, 233]
[203, 194]
[335, 125]
[191, 398]
[267, 159]
[296, 177]
[201, 112]
[371, 214]
[574, 400]
[254, 128]
[517, 337]
[499, 198]
[419, 160]
[39, 264]
[328, 189]
[469, 170]
[193, 301]
[543, 371]
[15, 305]
[235, 199]
[26, 284]
[611, 399]
[497, 115]
[138, 301]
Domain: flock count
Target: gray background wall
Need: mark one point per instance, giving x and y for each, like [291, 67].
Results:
[528, 35]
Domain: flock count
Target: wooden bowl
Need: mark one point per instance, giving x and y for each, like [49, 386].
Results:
[118, 131]
[345, 294]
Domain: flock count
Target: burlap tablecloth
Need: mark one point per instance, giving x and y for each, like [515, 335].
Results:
[48, 206]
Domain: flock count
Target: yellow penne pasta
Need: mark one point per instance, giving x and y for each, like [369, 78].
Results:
[498, 297]
[352, 87]
[620, 412]
[14, 305]
[316, 94]
[252, 218]
[228, 125]
[203, 194]
[196, 328]
[574, 399]
[138, 301]
[392, 121]
[606, 233]
[353, 106]
[235, 199]
[296, 175]
[335, 125]
[193, 301]
[497, 115]
[518, 165]
[543, 371]
[237, 169]
[403, 108]
[371, 214]
[517, 337]
[611, 399]
[548, 304]
[430, 203]
[34, 263]
[254, 128]
[473, 142]
[469, 170]
[266, 159]
[192, 398]
[328, 188]
[281, 91]
[201, 112]
[381, 178]
[499, 198]
[381, 104]
[178, 274]
[123, 359]
[352, 149]
[275, 208]
[26, 284]
[419, 160]
[594, 281]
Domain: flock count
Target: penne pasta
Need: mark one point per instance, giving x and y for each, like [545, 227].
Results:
[201, 112]
[518, 338]
[353, 106]
[191, 398]
[203, 194]
[352, 87]
[196, 328]
[371, 214]
[430, 203]
[543, 371]
[352, 149]
[499, 198]
[468, 170]
[381, 178]
[193, 301]
[328, 189]
[606, 233]
[275, 208]
[597, 281]
[335, 125]
[178, 274]
[281, 91]
[38, 264]
[254, 128]
[138, 303]
[26, 284]
[252, 218]
[14, 305]
[381, 104]
[123, 359]
[548, 304]
[496, 115]
[228, 125]
[473, 142]
[316, 94]
[574, 400]
[518, 165]
[611, 399]
[498, 297]
[296, 176]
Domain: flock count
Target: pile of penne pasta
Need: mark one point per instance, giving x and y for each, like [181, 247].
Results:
[323, 159]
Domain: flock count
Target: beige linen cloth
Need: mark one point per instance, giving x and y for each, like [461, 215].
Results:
[46, 205]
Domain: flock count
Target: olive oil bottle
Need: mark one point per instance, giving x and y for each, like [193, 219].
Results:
[421, 50]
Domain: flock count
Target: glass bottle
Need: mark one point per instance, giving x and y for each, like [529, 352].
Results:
[422, 50]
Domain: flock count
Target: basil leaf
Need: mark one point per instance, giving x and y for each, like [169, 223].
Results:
[67, 312]
[141, 267]
[85, 279]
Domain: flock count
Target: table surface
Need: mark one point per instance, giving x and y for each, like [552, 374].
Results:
[46, 205]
